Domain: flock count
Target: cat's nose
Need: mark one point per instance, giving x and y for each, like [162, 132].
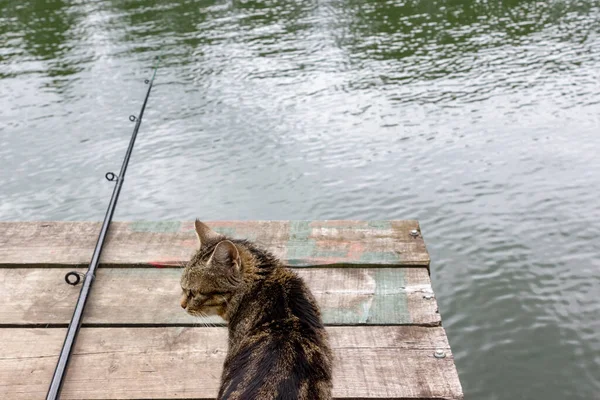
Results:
[183, 302]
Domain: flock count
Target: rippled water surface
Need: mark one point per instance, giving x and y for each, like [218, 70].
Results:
[479, 118]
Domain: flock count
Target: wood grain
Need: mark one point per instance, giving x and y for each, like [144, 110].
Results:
[137, 343]
[377, 362]
[150, 296]
[169, 243]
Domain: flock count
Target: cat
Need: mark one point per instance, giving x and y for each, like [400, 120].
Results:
[278, 346]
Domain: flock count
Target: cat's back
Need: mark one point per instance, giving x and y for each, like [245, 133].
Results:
[286, 353]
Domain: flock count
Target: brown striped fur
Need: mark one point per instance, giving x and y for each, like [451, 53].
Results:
[278, 347]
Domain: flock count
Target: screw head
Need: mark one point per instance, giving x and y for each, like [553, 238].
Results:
[439, 354]
[414, 233]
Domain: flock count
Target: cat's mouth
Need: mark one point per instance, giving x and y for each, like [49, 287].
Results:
[206, 311]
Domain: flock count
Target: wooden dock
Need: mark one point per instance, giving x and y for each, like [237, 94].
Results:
[371, 279]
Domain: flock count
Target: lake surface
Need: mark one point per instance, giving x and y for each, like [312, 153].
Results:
[481, 119]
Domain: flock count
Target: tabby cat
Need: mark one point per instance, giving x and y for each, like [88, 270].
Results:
[278, 347]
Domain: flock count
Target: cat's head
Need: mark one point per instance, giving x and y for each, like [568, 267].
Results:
[212, 276]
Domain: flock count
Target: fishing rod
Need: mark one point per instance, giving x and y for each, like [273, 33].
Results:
[73, 277]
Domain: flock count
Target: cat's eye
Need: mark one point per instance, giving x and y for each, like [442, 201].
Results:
[211, 294]
[190, 293]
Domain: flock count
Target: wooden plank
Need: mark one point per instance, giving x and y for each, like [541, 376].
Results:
[40, 296]
[170, 243]
[379, 362]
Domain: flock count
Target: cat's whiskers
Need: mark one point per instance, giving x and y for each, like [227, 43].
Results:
[204, 320]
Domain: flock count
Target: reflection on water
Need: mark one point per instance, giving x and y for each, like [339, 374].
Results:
[478, 118]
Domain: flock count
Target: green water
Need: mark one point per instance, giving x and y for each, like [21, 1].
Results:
[479, 118]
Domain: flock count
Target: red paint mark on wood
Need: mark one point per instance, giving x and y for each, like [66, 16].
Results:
[165, 263]
[187, 226]
[355, 251]
[190, 243]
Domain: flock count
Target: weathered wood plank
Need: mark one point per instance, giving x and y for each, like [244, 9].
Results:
[159, 363]
[298, 243]
[347, 296]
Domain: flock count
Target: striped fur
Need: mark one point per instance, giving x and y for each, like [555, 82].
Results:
[278, 347]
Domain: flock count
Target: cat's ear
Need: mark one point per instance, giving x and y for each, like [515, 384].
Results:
[205, 234]
[226, 257]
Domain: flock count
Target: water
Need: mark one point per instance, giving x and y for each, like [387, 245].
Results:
[479, 118]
